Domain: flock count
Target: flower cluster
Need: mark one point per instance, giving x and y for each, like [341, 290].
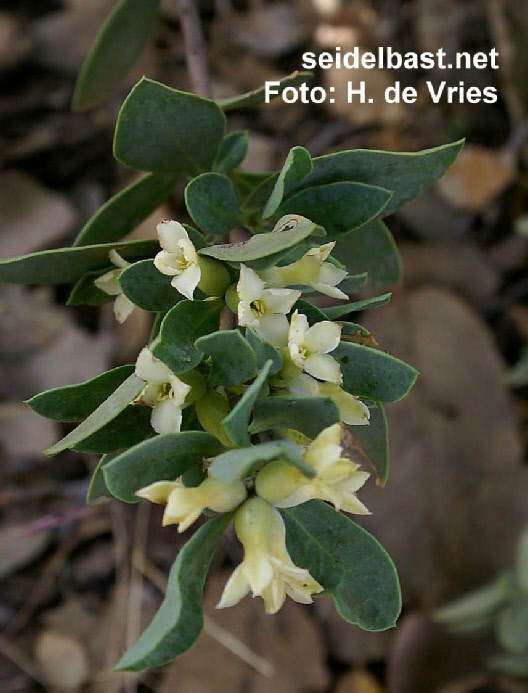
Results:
[265, 302]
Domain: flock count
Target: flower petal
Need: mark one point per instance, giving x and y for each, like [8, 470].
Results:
[280, 300]
[329, 274]
[323, 337]
[305, 385]
[273, 328]
[123, 307]
[298, 328]
[150, 369]
[250, 286]
[331, 291]
[187, 281]
[323, 251]
[109, 282]
[170, 233]
[351, 409]
[237, 587]
[180, 390]
[159, 491]
[166, 417]
[164, 262]
[117, 260]
[324, 367]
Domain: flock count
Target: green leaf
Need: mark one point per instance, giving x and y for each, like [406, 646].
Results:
[373, 374]
[371, 249]
[350, 564]
[372, 442]
[178, 623]
[76, 402]
[297, 166]
[98, 490]
[407, 174]
[86, 293]
[148, 288]
[512, 627]
[264, 351]
[336, 312]
[166, 130]
[289, 230]
[129, 427]
[237, 421]
[164, 457]
[181, 327]
[125, 211]
[67, 265]
[234, 361]
[258, 96]
[105, 412]
[232, 152]
[313, 313]
[240, 463]
[338, 207]
[212, 204]
[353, 282]
[118, 44]
[310, 415]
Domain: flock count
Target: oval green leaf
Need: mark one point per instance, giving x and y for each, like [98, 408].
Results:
[123, 212]
[86, 293]
[373, 374]
[232, 151]
[181, 327]
[148, 288]
[309, 415]
[297, 166]
[118, 44]
[168, 131]
[212, 204]
[164, 457]
[336, 312]
[178, 623]
[236, 422]
[350, 564]
[372, 442]
[129, 427]
[67, 265]
[338, 207]
[233, 360]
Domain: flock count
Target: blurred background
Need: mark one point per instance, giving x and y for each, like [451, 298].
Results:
[77, 583]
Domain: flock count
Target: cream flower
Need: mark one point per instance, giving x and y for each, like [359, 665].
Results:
[311, 270]
[264, 309]
[179, 258]
[163, 391]
[351, 409]
[186, 504]
[309, 347]
[109, 283]
[337, 478]
[267, 569]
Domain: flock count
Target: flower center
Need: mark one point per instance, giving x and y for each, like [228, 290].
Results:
[258, 308]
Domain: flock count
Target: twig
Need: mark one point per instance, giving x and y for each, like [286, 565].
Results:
[195, 53]
[216, 632]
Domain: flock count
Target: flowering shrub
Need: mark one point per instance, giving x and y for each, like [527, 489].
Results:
[243, 423]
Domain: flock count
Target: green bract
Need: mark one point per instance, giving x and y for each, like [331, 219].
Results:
[249, 401]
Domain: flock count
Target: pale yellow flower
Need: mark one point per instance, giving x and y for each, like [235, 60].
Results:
[267, 570]
[309, 347]
[264, 309]
[337, 478]
[109, 283]
[185, 504]
[163, 391]
[311, 270]
[179, 258]
[351, 409]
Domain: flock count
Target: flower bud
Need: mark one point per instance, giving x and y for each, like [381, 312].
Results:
[214, 278]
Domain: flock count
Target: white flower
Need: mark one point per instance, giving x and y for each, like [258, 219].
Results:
[163, 391]
[351, 409]
[311, 270]
[309, 347]
[179, 258]
[186, 504]
[267, 569]
[109, 283]
[264, 309]
[337, 478]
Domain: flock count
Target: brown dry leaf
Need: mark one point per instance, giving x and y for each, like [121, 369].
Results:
[289, 640]
[31, 216]
[460, 266]
[455, 450]
[358, 682]
[62, 660]
[477, 177]
[18, 548]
